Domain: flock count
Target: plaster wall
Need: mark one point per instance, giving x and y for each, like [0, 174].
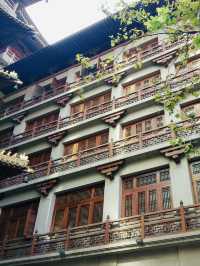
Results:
[177, 256]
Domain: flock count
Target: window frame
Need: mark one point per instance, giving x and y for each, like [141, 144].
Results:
[90, 202]
[133, 193]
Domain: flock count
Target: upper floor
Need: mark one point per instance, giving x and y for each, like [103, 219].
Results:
[116, 120]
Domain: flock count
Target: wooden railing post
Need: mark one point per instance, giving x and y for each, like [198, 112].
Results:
[113, 103]
[78, 159]
[49, 167]
[34, 240]
[4, 246]
[107, 230]
[67, 239]
[110, 148]
[142, 232]
[182, 217]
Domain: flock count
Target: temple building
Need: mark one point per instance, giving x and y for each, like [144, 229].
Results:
[19, 37]
[108, 188]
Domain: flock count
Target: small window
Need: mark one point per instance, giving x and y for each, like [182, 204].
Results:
[128, 206]
[148, 125]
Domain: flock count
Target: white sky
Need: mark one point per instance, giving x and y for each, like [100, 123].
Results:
[60, 18]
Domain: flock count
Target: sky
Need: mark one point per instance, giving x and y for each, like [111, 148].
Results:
[57, 19]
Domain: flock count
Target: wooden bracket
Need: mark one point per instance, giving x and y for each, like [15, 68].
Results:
[174, 153]
[115, 79]
[165, 59]
[55, 138]
[44, 188]
[18, 118]
[112, 119]
[108, 170]
[62, 101]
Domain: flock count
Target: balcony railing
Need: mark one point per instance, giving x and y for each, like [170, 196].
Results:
[138, 228]
[24, 104]
[108, 150]
[178, 82]
[99, 153]
[141, 55]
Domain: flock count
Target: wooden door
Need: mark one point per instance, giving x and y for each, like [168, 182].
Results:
[146, 193]
[143, 126]
[78, 208]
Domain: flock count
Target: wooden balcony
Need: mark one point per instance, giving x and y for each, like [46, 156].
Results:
[93, 155]
[24, 104]
[111, 150]
[141, 55]
[177, 82]
[137, 229]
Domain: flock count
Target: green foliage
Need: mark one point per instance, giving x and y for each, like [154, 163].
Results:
[177, 20]
[84, 61]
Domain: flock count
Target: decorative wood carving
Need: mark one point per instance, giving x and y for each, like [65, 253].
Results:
[108, 170]
[62, 101]
[44, 188]
[115, 79]
[174, 153]
[112, 119]
[18, 118]
[165, 59]
[55, 138]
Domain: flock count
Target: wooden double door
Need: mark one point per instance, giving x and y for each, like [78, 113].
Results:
[78, 208]
[87, 144]
[146, 193]
[90, 104]
[18, 220]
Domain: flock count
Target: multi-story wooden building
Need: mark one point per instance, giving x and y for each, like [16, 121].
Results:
[108, 189]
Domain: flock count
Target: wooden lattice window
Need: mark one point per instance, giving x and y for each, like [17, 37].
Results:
[87, 105]
[85, 144]
[130, 53]
[145, 125]
[195, 171]
[192, 109]
[38, 122]
[57, 83]
[40, 157]
[192, 64]
[5, 135]
[78, 208]
[18, 220]
[149, 46]
[146, 193]
[140, 84]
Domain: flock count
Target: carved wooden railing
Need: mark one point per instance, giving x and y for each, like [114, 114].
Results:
[37, 131]
[109, 150]
[26, 103]
[90, 156]
[177, 82]
[138, 228]
[141, 55]
[84, 115]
